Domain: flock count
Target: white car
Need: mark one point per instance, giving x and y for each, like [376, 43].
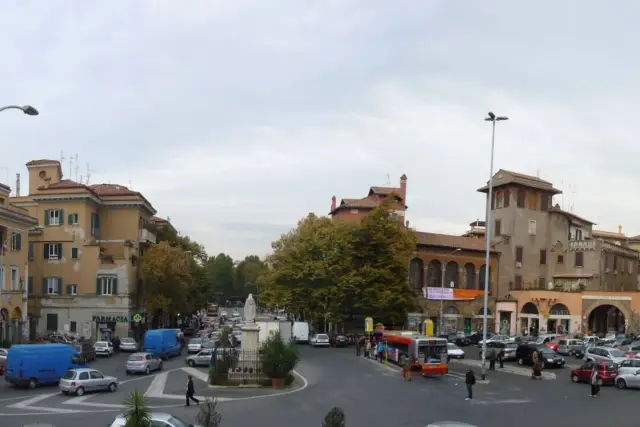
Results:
[320, 340]
[103, 348]
[3, 353]
[195, 345]
[157, 419]
[454, 352]
[496, 338]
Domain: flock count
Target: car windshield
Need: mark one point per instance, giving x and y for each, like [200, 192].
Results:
[177, 422]
[136, 357]
[195, 341]
[323, 337]
[511, 345]
[452, 346]
[101, 344]
[610, 367]
[128, 341]
[69, 375]
[616, 353]
[547, 352]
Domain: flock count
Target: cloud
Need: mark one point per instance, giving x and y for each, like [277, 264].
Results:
[238, 118]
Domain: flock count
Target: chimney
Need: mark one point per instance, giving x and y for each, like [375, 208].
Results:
[403, 188]
[333, 203]
[620, 229]
[17, 185]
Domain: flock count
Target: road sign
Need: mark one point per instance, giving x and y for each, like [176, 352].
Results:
[137, 318]
[368, 324]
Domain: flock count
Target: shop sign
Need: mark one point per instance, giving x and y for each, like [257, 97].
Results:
[110, 319]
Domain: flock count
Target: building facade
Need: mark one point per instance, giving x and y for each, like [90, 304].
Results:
[84, 265]
[556, 272]
[15, 226]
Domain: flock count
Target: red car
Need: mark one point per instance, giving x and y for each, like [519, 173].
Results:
[608, 372]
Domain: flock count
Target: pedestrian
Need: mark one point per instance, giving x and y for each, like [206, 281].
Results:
[367, 349]
[380, 351]
[191, 392]
[406, 368]
[492, 359]
[359, 344]
[595, 382]
[536, 373]
[470, 381]
[501, 358]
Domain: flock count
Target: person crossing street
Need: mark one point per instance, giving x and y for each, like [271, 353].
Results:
[191, 392]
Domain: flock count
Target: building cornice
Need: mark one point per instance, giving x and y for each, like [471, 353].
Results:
[16, 216]
[62, 197]
[129, 203]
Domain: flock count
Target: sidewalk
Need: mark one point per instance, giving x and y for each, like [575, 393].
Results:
[507, 369]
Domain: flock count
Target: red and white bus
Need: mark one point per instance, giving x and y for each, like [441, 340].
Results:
[429, 353]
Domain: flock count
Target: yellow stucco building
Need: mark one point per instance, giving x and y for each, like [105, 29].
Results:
[83, 262]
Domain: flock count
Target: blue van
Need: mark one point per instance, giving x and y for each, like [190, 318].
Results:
[162, 342]
[29, 365]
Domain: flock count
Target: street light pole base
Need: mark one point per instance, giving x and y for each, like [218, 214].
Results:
[483, 377]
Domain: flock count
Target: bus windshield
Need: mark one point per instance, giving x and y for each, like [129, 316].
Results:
[432, 353]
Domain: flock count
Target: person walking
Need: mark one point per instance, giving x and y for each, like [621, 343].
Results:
[359, 345]
[367, 349]
[595, 382]
[191, 392]
[470, 381]
[406, 368]
[380, 351]
[492, 359]
[501, 357]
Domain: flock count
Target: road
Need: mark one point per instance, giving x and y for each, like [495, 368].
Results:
[473, 352]
[370, 393]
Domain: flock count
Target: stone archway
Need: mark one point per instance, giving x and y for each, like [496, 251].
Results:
[529, 308]
[607, 318]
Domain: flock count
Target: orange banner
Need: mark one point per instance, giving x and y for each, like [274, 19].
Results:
[467, 293]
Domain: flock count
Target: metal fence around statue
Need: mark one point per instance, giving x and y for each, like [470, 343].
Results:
[232, 366]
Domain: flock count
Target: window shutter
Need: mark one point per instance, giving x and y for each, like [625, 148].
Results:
[61, 216]
[19, 243]
[59, 250]
[74, 253]
[59, 292]
[44, 286]
[68, 289]
[30, 289]
[70, 219]
[98, 287]
[46, 217]
[46, 250]
[115, 286]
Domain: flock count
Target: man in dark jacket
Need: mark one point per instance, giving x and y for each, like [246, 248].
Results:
[470, 380]
[191, 391]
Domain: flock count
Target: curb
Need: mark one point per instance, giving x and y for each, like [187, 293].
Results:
[515, 371]
[396, 368]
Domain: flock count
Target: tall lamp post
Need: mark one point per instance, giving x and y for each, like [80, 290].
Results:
[27, 109]
[443, 268]
[488, 230]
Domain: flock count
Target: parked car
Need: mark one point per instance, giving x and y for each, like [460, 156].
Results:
[3, 353]
[341, 341]
[608, 372]
[86, 350]
[458, 338]
[544, 339]
[454, 352]
[509, 349]
[139, 363]
[162, 342]
[494, 339]
[103, 348]
[566, 346]
[157, 419]
[129, 345]
[628, 374]
[194, 346]
[605, 354]
[202, 358]
[475, 338]
[524, 355]
[79, 381]
[320, 340]
[2, 362]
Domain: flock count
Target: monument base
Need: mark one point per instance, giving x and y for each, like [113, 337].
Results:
[250, 337]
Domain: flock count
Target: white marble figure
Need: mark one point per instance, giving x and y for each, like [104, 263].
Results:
[250, 309]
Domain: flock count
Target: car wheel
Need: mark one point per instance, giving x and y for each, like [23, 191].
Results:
[66, 393]
[80, 391]
[192, 363]
[521, 361]
[128, 372]
[147, 371]
[575, 378]
[112, 387]
[160, 366]
[621, 383]
[32, 383]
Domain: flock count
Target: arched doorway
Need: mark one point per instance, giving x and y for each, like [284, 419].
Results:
[16, 314]
[559, 320]
[481, 277]
[470, 271]
[606, 319]
[529, 319]
[416, 274]
[434, 274]
[451, 274]
[451, 319]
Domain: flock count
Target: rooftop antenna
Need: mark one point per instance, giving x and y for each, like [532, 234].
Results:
[77, 167]
[574, 190]
[62, 159]
[70, 166]
[562, 195]
[388, 184]
[88, 174]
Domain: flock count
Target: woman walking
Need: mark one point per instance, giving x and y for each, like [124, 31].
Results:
[595, 382]
[536, 374]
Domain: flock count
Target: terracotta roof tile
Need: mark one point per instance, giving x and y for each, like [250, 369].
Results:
[158, 219]
[112, 190]
[384, 191]
[608, 234]
[504, 177]
[450, 241]
[42, 162]
[65, 183]
[557, 209]
[364, 203]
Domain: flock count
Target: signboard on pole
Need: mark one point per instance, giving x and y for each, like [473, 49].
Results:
[428, 327]
[368, 324]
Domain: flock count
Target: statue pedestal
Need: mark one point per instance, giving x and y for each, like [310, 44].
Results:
[250, 341]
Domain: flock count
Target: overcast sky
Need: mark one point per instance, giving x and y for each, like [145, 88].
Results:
[237, 118]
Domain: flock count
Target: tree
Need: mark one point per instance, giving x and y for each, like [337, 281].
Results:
[208, 415]
[166, 271]
[247, 272]
[334, 418]
[137, 413]
[220, 273]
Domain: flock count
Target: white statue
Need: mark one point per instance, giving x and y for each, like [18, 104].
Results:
[250, 309]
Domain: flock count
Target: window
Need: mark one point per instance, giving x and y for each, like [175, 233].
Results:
[518, 282]
[577, 234]
[107, 285]
[544, 202]
[560, 259]
[51, 285]
[1, 276]
[73, 219]
[354, 211]
[95, 225]
[52, 322]
[32, 250]
[506, 195]
[54, 217]
[615, 262]
[579, 261]
[498, 199]
[16, 241]
[15, 278]
[74, 253]
[497, 228]
[543, 257]
[53, 251]
[72, 289]
[73, 327]
[541, 282]
[532, 227]
[30, 288]
[522, 195]
[519, 253]
[95, 375]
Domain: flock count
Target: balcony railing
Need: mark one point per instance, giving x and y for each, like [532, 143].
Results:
[146, 236]
[582, 245]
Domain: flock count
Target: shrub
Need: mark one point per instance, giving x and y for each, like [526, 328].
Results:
[289, 379]
[278, 358]
[334, 418]
[137, 412]
[208, 415]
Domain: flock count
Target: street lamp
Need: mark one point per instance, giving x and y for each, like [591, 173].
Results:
[493, 119]
[27, 109]
[442, 267]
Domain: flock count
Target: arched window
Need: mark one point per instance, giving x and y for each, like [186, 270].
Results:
[470, 269]
[529, 308]
[416, 273]
[559, 310]
[434, 274]
[451, 274]
[452, 311]
[481, 311]
[481, 278]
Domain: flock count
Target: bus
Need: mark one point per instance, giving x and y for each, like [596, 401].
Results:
[430, 353]
[212, 309]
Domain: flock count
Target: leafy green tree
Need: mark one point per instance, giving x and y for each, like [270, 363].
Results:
[247, 272]
[137, 412]
[220, 274]
[334, 418]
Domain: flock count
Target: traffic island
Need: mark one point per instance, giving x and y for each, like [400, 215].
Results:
[516, 370]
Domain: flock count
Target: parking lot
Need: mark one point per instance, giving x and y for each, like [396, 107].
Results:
[473, 352]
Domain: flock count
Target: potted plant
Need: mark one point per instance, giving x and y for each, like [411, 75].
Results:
[334, 418]
[137, 412]
[278, 359]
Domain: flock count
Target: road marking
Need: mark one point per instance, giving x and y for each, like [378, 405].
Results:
[27, 404]
[156, 389]
[501, 402]
[203, 376]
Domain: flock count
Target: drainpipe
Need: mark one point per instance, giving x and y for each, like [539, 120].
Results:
[25, 302]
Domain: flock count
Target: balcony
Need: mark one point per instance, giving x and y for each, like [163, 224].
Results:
[146, 236]
[582, 245]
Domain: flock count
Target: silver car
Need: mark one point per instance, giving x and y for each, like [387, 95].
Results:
[129, 344]
[157, 419]
[203, 358]
[139, 363]
[195, 345]
[79, 381]
[605, 354]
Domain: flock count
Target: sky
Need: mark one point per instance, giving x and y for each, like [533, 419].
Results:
[238, 118]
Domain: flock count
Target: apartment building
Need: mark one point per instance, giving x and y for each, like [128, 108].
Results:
[15, 225]
[556, 272]
[84, 263]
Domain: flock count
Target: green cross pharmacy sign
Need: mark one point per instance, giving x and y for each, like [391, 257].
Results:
[118, 319]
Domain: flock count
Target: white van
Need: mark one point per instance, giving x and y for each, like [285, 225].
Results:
[301, 332]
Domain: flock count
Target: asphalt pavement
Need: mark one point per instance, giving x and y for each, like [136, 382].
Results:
[371, 394]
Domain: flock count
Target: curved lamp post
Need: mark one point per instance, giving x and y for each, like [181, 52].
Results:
[27, 109]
